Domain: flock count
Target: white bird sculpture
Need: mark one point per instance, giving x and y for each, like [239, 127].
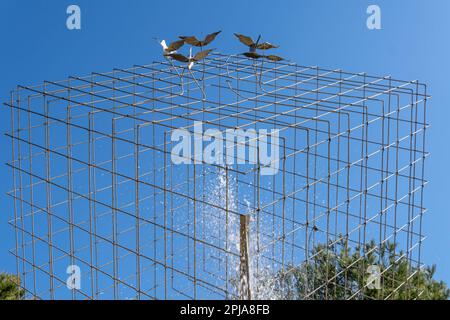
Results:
[172, 48]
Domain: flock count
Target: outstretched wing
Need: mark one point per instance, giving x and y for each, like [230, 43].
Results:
[178, 57]
[266, 46]
[210, 37]
[273, 58]
[201, 55]
[192, 40]
[245, 40]
[175, 45]
[252, 55]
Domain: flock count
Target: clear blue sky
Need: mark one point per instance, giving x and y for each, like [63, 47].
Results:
[414, 43]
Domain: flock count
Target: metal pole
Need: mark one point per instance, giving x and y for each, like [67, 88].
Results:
[244, 283]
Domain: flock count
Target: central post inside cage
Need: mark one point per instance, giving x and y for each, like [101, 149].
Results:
[244, 283]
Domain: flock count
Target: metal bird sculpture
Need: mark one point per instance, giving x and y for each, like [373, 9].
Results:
[193, 41]
[167, 51]
[171, 48]
[252, 45]
[191, 59]
[254, 55]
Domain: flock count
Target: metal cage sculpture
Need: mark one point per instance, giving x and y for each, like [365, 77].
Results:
[95, 187]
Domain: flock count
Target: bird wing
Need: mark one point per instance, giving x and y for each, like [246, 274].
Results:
[201, 55]
[266, 46]
[175, 45]
[245, 40]
[252, 55]
[178, 57]
[272, 57]
[210, 37]
[192, 40]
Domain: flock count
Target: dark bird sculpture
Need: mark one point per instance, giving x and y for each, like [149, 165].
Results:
[252, 45]
[254, 55]
[192, 59]
[193, 41]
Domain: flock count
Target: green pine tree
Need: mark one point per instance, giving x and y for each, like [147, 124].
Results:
[10, 287]
[341, 273]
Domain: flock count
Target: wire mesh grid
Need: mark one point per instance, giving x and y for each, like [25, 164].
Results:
[95, 185]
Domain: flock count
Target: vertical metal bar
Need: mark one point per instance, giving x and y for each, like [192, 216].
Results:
[15, 200]
[165, 214]
[48, 193]
[69, 183]
[92, 218]
[283, 213]
[307, 237]
[21, 194]
[422, 174]
[347, 207]
[195, 228]
[294, 168]
[137, 211]
[92, 147]
[114, 209]
[154, 155]
[30, 157]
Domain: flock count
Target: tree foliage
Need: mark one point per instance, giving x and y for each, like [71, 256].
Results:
[10, 287]
[338, 272]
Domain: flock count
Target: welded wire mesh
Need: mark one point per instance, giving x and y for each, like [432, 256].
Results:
[94, 184]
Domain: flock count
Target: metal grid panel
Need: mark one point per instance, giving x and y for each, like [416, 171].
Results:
[94, 184]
